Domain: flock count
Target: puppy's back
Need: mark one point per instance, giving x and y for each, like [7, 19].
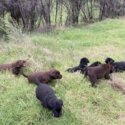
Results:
[99, 70]
[5, 67]
[43, 90]
[94, 69]
[95, 64]
[119, 66]
[122, 63]
[32, 77]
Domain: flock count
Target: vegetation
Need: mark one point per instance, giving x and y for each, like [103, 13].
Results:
[61, 49]
[31, 14]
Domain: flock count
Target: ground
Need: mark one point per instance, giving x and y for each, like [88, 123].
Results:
[61, 49]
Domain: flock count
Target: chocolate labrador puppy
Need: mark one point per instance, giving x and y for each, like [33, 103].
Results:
[48, 98]
[98, 72]
[14, 67]
[43, 77]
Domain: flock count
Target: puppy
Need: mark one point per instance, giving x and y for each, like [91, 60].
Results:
[14, 67]
[118, 66]
[48, 99]
[109, 60]
[98, 72]
[95, 64]
[73, 69]
[92, 65]
[83, 63]
[43, 77]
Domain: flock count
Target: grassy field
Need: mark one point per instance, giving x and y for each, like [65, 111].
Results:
[83, 105]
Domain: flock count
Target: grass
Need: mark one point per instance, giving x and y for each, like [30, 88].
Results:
[83, 105]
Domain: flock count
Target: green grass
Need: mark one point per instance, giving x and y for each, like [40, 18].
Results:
[83, 105]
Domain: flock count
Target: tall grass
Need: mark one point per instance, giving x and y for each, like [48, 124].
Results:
[83, 105]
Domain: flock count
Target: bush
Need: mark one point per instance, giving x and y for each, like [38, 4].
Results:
[3, 33]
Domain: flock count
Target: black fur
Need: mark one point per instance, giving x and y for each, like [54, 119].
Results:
[82, 64]
[95, 64]
[118, 66]
[92, 65]
[73, 69]
[109, 60]
[48, 99]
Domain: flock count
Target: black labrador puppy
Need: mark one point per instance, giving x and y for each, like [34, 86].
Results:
[95, 64]
[82, 64]
[118, 66]
[48, 98]
[109, 60]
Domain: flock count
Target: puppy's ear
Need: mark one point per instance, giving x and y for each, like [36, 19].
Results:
[112, 61]
[53, 74]
[87, 61]
[60, 102]
[107, 60]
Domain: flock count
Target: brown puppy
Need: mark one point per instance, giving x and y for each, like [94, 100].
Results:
[14, 67]
[98, 72]
[43, 77]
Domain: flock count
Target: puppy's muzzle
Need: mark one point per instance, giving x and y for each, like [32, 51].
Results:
[60, 76]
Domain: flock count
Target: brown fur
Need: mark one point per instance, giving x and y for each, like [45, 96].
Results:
[14, 67]
[98, 72]
[43, 77]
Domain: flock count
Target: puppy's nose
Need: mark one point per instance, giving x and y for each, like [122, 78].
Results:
[24, 64]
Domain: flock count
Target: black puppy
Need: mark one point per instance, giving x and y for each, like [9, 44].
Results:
[48, 99]
[92, 65]
[95, 64]
[118, 66]
[82, 64]
[109, 60]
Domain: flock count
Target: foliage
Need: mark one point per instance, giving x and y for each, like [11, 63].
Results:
[83, 105]
[32, 14]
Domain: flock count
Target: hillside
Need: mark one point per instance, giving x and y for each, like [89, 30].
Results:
[61, 49]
